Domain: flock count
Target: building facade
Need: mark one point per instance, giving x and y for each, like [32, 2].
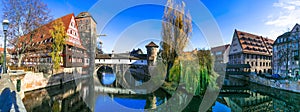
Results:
[152, 50]
[87, 28]
[221, 58]
[221, 53]
[251, 49]
[39, 46]
[286, 53]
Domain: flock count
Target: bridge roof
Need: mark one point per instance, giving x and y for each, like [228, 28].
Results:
[122, 56]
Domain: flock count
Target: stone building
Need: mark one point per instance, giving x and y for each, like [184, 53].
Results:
[40, 46]
[247, 48]
[220, 54]
[286, 53]
[152, 50]
[87, 28]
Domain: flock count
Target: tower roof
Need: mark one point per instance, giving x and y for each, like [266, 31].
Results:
[151, 44]
[85, 15]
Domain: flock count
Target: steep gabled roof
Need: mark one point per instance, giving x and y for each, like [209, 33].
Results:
[151, 44]
[42, 33]
[254, 44]
[285, 37]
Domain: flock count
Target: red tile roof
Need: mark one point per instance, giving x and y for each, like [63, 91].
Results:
[42, 33]
[1, 50]
[254, 44]
[151, 44]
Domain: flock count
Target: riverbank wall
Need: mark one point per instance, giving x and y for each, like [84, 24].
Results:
[293, 86]
[40, 81]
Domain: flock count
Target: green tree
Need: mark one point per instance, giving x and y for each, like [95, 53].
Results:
[59, 36]
[2, 59]
[176, 31]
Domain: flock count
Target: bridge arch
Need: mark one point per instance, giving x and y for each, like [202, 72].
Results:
[119, 70]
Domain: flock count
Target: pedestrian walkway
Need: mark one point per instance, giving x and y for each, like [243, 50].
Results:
[9, 99]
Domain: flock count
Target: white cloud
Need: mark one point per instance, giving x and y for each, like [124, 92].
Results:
[287, 16]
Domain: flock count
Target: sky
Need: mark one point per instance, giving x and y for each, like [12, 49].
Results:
[130, 26]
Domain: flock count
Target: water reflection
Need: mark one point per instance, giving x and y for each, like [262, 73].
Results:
[56, 98]
[67, 98]
[260, 98]
[126, 102]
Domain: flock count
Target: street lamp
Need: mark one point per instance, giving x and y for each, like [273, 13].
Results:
[100, 43]
[5, 25]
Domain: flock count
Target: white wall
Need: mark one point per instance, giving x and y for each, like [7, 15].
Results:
[120, 61]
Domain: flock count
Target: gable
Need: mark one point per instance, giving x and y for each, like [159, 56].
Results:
[235, 46]
[72, 32]
[296, 28]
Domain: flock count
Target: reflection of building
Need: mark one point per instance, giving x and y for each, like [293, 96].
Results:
[254, 103]
[251, 49]
[220, 54]
[40, 45]
[286, 53]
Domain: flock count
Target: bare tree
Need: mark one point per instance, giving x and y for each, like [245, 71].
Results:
[25, 16]
[176, 31]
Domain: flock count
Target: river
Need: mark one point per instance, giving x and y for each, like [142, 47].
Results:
[236, 95]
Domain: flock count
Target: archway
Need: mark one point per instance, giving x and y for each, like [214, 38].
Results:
[106, 75]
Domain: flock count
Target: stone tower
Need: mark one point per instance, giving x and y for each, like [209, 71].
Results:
[87, 28]
[152, 50]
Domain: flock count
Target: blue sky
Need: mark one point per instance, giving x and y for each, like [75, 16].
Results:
[135, 26]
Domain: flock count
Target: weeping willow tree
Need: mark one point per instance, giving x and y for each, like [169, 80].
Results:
[59, 36]
[176, 31]
[193, 70]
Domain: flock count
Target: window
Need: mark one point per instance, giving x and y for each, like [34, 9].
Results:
[260, 64]
[70, 59]
[219, 53]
